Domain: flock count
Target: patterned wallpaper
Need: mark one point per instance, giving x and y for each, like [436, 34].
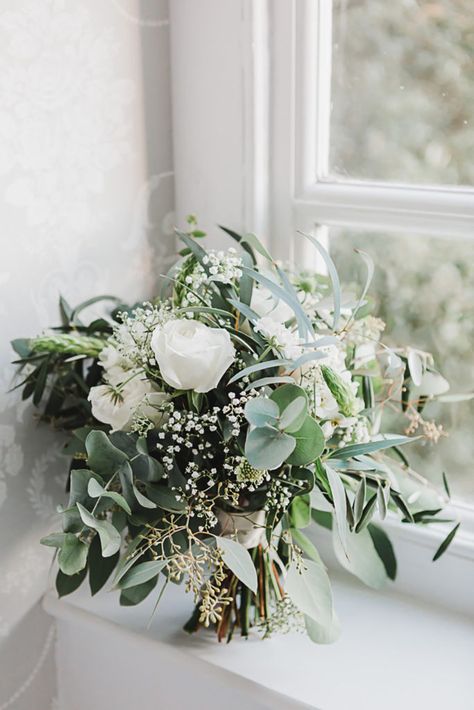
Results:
[86, 199]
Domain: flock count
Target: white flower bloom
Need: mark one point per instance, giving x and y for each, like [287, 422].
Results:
[287, 342]
[191, 355]
[264, 303]
[117, 405]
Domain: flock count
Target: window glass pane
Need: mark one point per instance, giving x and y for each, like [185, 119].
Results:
[402, 91]
[423, 289]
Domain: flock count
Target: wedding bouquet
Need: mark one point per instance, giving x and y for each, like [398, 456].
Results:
[212, 426]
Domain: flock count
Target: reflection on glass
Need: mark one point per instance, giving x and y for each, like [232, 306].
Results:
[424, 290]
[403, 91]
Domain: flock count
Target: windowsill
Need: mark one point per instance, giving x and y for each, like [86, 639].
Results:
[447, 583]
[394, 651]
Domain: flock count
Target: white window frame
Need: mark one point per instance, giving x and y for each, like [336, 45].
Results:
[247, 155]
[304, 197]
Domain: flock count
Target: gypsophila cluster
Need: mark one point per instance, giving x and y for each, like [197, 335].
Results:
[196, 279]
[132, 336]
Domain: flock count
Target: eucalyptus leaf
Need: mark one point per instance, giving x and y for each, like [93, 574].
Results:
[165, 498]
[267, 448]
[95, 490]
[359, 500]
[254, 242]
[358, 449]
[306, 545]
[309, 443]
[142, 499]
[340, 506]
[384, 549]
[309, 589]
[282, 294]
[265, 381]
[142, 573]
[300, 512]
[68, 583]
[134, 595]
[72, 556]
[261, 411]
[333, 275]
[100, 568]
[110, 538]
[102, 456]
[415, 365]
[360, 558]
[238, 560]
[258, 367]
[446, 543]
[324, 634]
[292, 417]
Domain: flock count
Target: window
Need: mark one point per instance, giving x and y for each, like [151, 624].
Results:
[402, 93]
[373, 123]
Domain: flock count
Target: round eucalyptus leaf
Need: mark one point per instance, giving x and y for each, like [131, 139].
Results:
[285, 395]
[261, 411]
[293, 415]
[309, 443]
[267, 448]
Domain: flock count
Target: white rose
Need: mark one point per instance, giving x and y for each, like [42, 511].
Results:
[118, 405]
[192, 356]
[264, 303]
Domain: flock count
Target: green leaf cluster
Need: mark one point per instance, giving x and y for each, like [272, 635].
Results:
[281, 430]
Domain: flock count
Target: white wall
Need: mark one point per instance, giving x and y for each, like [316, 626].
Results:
[219, 124]
[85, 134]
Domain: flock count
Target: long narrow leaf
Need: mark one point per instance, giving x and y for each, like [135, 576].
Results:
[266, 365]
[246, 311]
[283, 295]
[291, 290]
[358, 449]
[446, 543]
[333, 275]
[283, 379]
[369, 262]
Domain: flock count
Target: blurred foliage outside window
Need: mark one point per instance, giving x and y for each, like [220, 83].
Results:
[403, 91]
[403, 112]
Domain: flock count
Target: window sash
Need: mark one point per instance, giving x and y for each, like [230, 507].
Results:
[303, 198]
[431, 210]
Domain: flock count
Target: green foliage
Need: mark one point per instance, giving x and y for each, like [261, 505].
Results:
[72, 556]
[110, 538]
[68, 583]
[238, 560]
[446, 543]
[100, 568]
[141, 573]
[309, 589]
[102, 456]
[283, 430]
[300, 512]
[384, 549]
[136, 594]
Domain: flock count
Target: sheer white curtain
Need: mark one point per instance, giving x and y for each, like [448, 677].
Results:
[86, 199]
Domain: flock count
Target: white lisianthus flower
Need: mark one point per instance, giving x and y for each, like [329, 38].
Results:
[114, 364]
[117, 404]
[264, 303]
[191, 355]
[286, 341]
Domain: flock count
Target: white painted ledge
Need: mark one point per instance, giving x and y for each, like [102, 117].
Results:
[394, 652]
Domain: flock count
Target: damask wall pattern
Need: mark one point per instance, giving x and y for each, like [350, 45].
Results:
[86, 200]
